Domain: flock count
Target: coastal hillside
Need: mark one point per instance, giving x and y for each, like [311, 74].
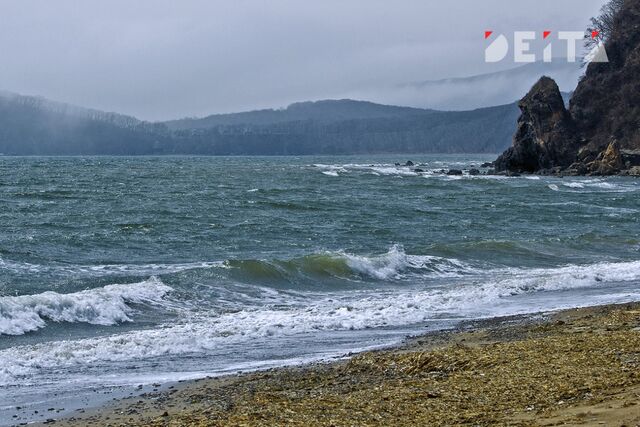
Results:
[35, 126]
[325, 111]
[599, 134]
[486, 130]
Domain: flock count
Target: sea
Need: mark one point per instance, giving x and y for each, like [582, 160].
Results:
[119, 274]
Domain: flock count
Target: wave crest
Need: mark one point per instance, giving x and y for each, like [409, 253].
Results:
[484, 295]
[396, 261]
[394, 264]
[108, 305]
[103, 269]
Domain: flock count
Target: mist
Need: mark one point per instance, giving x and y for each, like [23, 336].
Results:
[160, 60]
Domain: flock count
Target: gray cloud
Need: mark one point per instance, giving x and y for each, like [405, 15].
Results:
[160, 59]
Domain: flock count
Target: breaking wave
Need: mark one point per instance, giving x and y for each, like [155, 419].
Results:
[396, 261]
[595, 186]
[104, 269]
[107, 305]
[394, 264]
[200, 332]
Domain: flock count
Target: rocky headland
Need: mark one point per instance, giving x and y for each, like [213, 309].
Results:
[599, 134]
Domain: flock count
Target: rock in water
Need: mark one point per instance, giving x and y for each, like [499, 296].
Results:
[545, 136]
[608, 162]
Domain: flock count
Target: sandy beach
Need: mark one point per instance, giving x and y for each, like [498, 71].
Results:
[574, 367]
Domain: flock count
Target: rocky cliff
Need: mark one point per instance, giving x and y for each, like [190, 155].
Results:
[545, 135]
[600, 132]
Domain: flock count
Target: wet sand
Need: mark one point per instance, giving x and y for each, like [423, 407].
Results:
[574, 367]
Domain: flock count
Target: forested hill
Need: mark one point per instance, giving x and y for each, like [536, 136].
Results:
[34, 126]
[325, 111]
[483, 130]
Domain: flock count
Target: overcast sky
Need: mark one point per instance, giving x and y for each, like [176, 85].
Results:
[158, 59]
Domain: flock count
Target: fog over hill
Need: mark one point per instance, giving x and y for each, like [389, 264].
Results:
[476, 91]
[37, 126]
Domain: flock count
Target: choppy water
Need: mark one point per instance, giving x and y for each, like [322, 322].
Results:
[130, 270]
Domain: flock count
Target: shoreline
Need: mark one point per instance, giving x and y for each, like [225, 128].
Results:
[574, 366]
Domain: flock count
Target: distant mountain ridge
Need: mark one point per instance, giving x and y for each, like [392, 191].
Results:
[36, 126]
[478, 131]
[321, 111]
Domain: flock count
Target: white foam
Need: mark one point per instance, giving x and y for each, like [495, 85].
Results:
[394, 170]
[604, 185]
[100, 306]
[379, 168]
[430, 170]
[437, 175]
[339, 311]
[617, 187]
[106, 269]
[332, 168]
[598, 186]
[396, 261]
[573, 184]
